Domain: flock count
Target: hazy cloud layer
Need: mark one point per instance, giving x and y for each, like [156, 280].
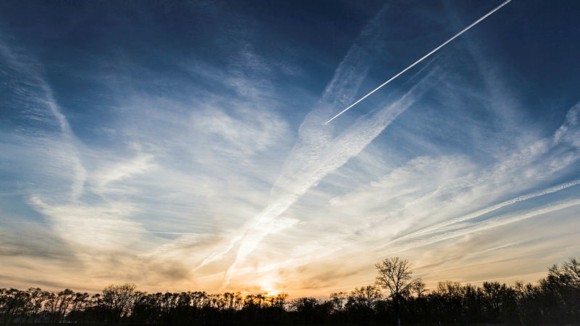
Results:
[175, 169]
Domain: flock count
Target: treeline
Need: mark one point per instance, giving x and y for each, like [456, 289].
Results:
[554, 300]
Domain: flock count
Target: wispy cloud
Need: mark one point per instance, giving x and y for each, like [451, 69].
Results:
[423, 58]
[317, 153]
[194, 172]
[43, 107]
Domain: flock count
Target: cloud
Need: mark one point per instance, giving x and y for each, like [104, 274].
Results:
[317, 153]
[423, 58]
[117, 172]
[569, 131]
[185, 170]
[42, 106]
[249, 132]
[43, 245]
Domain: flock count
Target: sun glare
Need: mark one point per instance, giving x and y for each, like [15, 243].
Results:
[268, 285]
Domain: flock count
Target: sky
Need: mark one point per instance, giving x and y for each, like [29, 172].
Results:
[182, 145]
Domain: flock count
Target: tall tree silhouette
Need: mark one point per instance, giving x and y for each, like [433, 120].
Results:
[395, 276]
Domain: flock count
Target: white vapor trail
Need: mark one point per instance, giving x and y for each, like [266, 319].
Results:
[26, 66]
[490, 209]
[420, 60]
[484, 226]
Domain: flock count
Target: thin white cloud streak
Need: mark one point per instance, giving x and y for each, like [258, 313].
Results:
[447, 230]
[516, 251]
[539, 153]
[102, 179]
[420, 60]
[487, 210]
[569, 131]
[26, 67]
[93, 228]
[255, 135]
[452, 233]
[495, 93]
[79, 170]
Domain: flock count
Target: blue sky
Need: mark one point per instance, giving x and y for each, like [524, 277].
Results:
[182, 145]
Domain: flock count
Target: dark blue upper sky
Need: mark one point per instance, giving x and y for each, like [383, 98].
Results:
[77, 41]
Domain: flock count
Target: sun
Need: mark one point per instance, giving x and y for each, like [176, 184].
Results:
[268, 284]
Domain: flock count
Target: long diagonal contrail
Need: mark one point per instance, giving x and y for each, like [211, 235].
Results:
[420, 60]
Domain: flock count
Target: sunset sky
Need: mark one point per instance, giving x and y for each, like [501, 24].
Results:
[182, 145]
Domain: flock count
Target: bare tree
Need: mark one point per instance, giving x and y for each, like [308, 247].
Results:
[119, 299]
[365, 296]
[396, 277]
[418, 287]
[339, 300]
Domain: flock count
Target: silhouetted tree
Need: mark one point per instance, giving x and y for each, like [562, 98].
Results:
[310, 311]
[364, 297]
[338, 300]
[447, 300]
[118, 300]
[561, 291]
[417, 287]
[396, 277]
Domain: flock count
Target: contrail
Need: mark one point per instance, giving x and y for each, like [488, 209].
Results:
[490, 209]
[25, 66]
[420, 60]
[487, 225]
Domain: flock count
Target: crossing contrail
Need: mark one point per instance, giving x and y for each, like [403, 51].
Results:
[420, 60]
